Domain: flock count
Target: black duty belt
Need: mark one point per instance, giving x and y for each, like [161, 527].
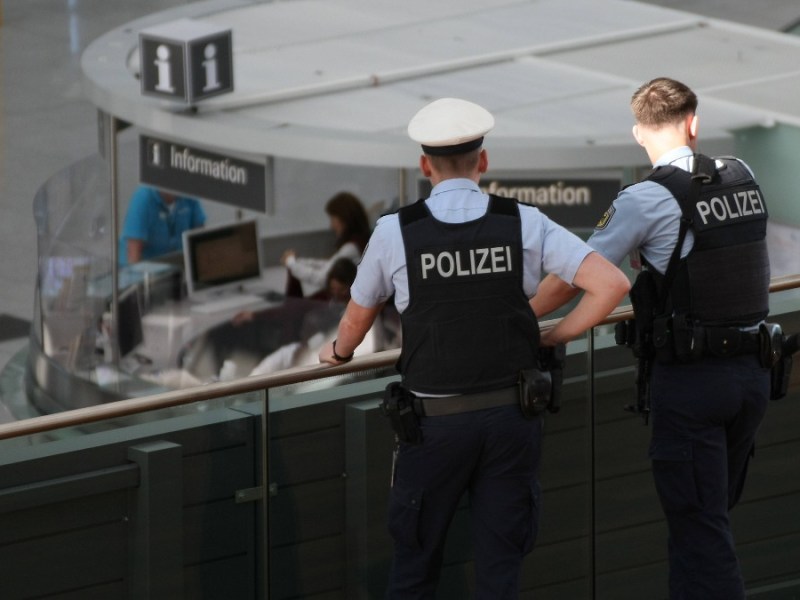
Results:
[723, 341]
[452, 405]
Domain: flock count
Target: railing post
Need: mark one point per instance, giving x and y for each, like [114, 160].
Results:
[265, 482]
[156, 547]
[592, 450]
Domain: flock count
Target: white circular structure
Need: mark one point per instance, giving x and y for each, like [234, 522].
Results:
[337, 82]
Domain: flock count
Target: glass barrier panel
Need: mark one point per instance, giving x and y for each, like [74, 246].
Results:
[165, 340]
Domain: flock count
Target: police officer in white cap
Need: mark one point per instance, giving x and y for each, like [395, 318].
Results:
[462, 267]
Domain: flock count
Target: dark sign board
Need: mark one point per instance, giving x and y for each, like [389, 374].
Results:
[202, 174]
[573, 203]
[186, 60]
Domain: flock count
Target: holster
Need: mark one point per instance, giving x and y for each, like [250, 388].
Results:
[398, 406]
[770, 344]
[540, 386]
[781, 368]
[644, 341]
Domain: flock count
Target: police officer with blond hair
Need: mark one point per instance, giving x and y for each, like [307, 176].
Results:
[462, 267]
[697, 226]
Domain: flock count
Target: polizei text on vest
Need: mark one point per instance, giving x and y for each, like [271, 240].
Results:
[466, 263]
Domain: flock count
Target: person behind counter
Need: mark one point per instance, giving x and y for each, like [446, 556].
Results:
[155, 222]
[350, 225]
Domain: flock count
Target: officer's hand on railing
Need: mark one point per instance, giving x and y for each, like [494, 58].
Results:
[328, 354]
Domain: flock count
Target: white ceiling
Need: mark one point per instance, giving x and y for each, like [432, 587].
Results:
[770, 14]
[337, 81]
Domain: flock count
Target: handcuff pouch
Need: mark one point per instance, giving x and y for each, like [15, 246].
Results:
[535, 388]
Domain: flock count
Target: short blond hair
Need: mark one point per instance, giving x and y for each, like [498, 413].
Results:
[663, 101]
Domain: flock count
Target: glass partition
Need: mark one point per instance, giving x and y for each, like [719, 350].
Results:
[165, 341]
[73, 239]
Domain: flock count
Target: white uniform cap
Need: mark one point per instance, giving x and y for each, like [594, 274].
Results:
[450, 126]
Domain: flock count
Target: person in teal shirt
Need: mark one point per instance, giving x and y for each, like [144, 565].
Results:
[155, 222]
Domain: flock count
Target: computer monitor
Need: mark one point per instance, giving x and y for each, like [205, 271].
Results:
[221, 258]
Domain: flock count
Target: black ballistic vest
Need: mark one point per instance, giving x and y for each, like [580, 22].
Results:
[724, 280]
[468, 326]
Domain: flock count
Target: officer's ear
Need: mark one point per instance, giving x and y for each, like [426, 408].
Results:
[637, 136]
[483, 162]
[692, 127]
[425, 165]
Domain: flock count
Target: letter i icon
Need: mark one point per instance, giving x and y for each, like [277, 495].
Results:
[210, 66]
[154, 153]
[164, 70]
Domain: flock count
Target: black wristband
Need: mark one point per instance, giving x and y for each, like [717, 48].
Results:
[341, 358]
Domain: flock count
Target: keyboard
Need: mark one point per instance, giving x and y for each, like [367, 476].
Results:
[226, 303]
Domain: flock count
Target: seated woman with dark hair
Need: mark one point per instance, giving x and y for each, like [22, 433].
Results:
[350, 224]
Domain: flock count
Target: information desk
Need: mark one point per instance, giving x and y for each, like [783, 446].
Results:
[177, 332]
[166, 340]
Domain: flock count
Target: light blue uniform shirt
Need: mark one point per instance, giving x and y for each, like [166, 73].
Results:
[645, 216]
[546, 246]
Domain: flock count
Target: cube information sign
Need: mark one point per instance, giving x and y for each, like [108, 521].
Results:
[186, 60]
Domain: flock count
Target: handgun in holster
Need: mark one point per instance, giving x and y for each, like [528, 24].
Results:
[638, 335]
[640, 341]
[540, 387]
[398, 407]
[776, 354]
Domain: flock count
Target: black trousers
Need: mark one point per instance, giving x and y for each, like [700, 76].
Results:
[491, 454]
[704, 420]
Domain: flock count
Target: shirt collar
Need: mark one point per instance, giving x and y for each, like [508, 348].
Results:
[673, 155]
[451, 185]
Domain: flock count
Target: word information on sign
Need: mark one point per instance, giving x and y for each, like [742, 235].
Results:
[202, 174]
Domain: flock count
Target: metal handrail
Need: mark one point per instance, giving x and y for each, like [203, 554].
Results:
[378, 360]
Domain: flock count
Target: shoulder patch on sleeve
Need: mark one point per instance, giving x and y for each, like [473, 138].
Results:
[604, 220]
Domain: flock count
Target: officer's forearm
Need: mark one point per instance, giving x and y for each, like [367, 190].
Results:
[553, 293]
[588, 313]
[605, 285]
[354, 325]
